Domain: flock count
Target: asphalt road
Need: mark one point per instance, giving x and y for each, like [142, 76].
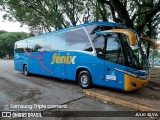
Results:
[17, 89]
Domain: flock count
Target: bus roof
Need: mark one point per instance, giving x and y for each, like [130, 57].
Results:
[111, 24]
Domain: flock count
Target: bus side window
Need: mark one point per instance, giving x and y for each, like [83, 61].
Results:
[56, 42]
[19, 47]
[113, 50]
[78, 40]
[98, 42]
[15, 46]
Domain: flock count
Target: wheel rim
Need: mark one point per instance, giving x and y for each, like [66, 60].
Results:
[84, 80]
[25, 70]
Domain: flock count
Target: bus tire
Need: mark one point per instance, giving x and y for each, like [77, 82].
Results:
[85, 79]
[25, 70]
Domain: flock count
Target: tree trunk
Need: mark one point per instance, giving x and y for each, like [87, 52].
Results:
[122, 13]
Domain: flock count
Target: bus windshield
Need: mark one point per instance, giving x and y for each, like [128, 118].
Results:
[135, 56]
[132, 51]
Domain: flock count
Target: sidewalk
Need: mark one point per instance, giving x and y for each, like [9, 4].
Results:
[145, 99]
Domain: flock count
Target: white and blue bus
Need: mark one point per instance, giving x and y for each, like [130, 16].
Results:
[101, 53]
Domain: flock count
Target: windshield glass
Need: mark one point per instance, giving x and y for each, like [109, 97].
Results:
[128, 55]
[135, 56]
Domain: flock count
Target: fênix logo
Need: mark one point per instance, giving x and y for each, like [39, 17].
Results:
[58, 59]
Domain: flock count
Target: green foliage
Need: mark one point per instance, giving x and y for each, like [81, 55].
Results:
[47, 14]
[7, 40]
[141, 15]
[155, 53]
[2, 31]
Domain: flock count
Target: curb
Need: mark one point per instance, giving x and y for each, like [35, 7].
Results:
[119, 101]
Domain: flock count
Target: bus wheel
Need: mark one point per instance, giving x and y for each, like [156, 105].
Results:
[25, 70]
[84, 79]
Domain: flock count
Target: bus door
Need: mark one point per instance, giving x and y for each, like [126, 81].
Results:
[58, 61]
[98, 42]
[113, 60]
[58, 42]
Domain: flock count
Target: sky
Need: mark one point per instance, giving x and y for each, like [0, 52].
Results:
[11, 26]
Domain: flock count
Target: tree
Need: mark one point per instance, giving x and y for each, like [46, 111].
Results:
[7, 41]
[2, 31]
[47, 14]
[154, 54]
[141, 15]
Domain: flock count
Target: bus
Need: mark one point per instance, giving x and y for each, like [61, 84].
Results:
[97, 53]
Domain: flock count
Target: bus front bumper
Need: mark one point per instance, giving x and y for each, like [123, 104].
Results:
[132, 83]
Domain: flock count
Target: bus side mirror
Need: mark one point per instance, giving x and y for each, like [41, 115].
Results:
[131, 35]
[151, 43]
